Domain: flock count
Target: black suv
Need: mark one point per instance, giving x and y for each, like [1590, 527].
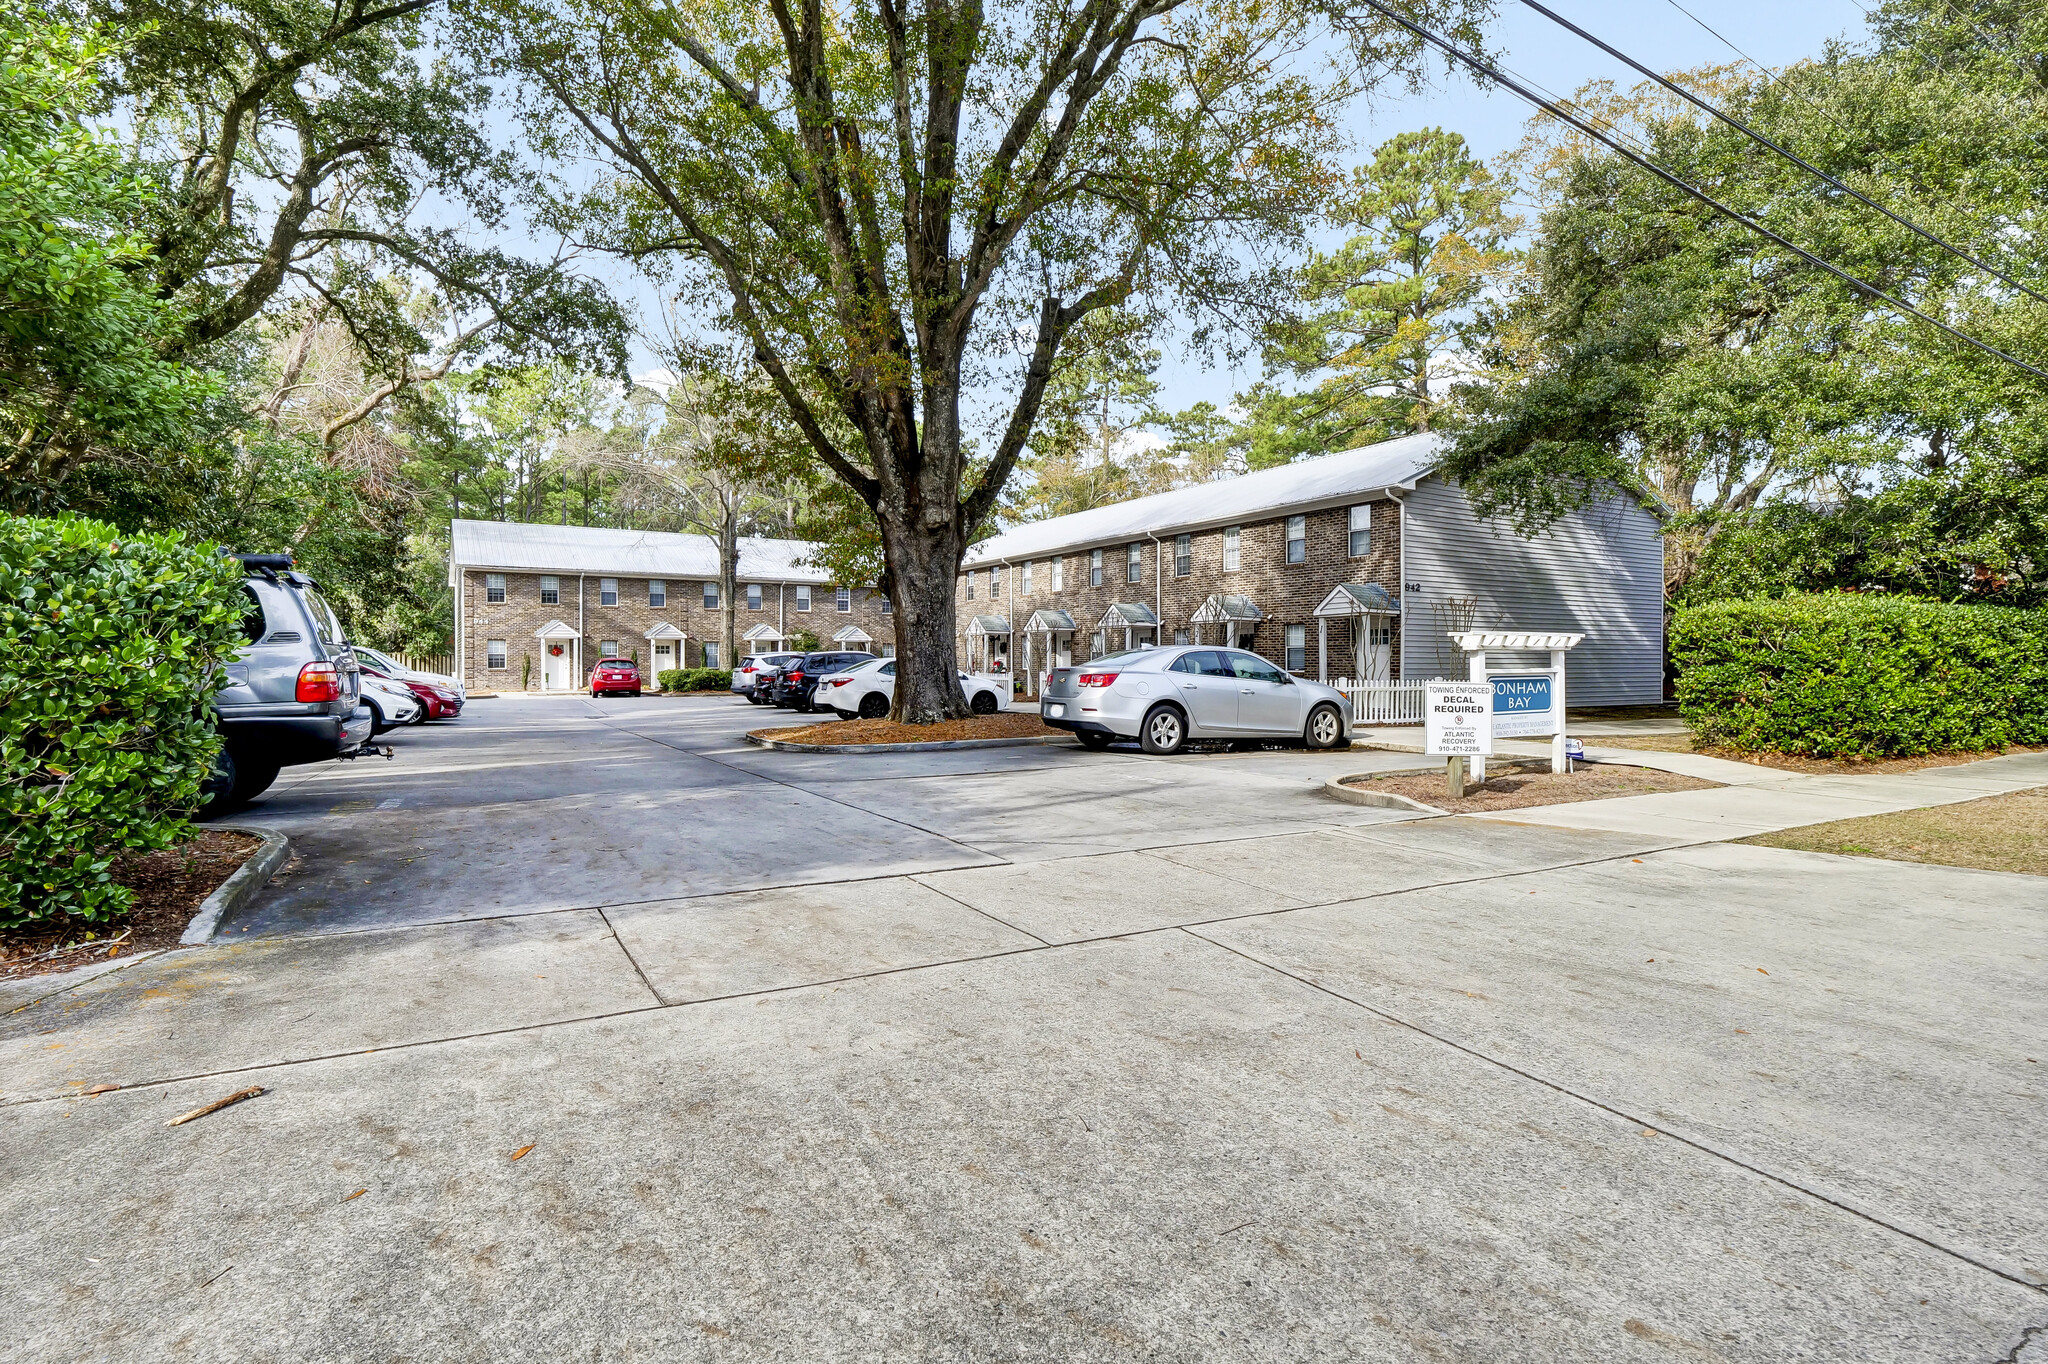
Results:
[293, 694]
[796, 685]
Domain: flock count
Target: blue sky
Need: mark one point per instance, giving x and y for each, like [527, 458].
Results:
[1654, 32]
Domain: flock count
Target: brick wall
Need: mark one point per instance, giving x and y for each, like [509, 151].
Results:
[1287, 593]
[518, 618]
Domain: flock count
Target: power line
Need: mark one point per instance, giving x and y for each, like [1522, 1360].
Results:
[1560, 112]
[1793, 157]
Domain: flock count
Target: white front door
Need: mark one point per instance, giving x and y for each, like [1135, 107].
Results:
[1062, 650]
[1379, 647]
[664, 658]
[557, 670]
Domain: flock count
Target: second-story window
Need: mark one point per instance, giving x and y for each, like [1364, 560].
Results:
[550, 590]
[1095, 568]
[803, 596]
[1134, 563]
[1059, 575]
[1183, 555]
[1027, 577]
[753, 596]
[842, 599]
[995, 583]
[607, 591]
[970, 584]
[1230, 549]
[1297, 539]
[657, 592]
[710, 600]
[886, 607]
[1361, 531]
[494, 587]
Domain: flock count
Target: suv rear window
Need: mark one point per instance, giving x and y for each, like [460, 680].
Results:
[254, 625]
[324, 620]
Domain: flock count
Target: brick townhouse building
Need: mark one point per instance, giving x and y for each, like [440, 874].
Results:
[1356, 564]
[537, 605]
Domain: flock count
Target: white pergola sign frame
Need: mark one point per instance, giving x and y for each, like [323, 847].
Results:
[1557, 643]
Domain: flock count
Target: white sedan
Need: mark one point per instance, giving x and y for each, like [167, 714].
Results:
[866, 689]
[391, 704]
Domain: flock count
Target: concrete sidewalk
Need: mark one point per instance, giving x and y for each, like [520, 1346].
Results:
[1759, 800]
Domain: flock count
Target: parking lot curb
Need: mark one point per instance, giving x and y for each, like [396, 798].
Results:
[1335, 789]
[939, 746]
[240, 888]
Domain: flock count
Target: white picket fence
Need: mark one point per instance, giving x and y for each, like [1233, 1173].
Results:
[1383, 703]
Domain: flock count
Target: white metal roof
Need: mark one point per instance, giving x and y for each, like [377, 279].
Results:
[1400, 463]
[622, 553]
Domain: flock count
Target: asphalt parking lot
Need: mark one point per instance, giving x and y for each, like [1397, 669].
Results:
[1027, 1053]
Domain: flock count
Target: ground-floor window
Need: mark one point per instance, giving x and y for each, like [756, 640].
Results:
[1180, 636]
[1096, 649]
[710, 655]
[1297, 648]
[494, 653]
[608, 648]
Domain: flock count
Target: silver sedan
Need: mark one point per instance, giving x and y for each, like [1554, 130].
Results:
[1166, 697]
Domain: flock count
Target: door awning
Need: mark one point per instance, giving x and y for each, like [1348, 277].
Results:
[1360, 599]
[1050, 620]
[989, 625]
[852, 634]
[1222, 608]
[666, 631]
[1124, 613]
[756, 634]
[556, 629]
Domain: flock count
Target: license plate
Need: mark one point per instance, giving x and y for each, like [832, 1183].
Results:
[1056, 711]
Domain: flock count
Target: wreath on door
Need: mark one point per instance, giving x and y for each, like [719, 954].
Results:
[554, 651]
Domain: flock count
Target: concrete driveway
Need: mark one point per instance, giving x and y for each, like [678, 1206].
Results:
[1027, 1054]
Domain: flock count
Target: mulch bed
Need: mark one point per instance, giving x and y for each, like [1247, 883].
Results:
[169, 887]
[1515, 789]
[1004, 725]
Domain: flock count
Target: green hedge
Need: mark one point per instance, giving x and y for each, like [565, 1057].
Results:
[109, 646]
[694, 679]
[1854, 676]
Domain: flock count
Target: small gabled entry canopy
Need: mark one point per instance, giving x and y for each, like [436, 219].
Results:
[556, 629]
[1370, 641]
[1126, 614]
[1359, 599]
[666, 631]
[1222, 608]
[757, 634]
[852, 634]
[989, 625]
[1049, 619]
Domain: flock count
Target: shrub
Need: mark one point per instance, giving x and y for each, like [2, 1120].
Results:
[109, 650]
[1846, 676]
[694, 679]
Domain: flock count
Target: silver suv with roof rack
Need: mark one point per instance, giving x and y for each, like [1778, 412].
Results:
[293, 694]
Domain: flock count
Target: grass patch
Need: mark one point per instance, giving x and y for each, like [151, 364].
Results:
[1997, 833]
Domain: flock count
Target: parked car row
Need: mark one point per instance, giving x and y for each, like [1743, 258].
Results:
[866, 690]
[300, 692]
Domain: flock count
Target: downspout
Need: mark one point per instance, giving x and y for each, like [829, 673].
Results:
[576, 664]
[1401, 596]
[456, 580]
[782, 611]
[1158, 588]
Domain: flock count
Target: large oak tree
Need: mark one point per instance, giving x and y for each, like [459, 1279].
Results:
[905, 207]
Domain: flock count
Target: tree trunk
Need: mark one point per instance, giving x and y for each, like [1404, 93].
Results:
[728, 583]
[923, 564]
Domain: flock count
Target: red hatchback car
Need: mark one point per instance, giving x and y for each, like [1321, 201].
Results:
[615, 677]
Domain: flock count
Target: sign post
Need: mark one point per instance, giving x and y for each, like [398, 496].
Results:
[1457, 720]
[1525, 704]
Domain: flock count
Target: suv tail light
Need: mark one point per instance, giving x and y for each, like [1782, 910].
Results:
[1096, 679]
[319, 682]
